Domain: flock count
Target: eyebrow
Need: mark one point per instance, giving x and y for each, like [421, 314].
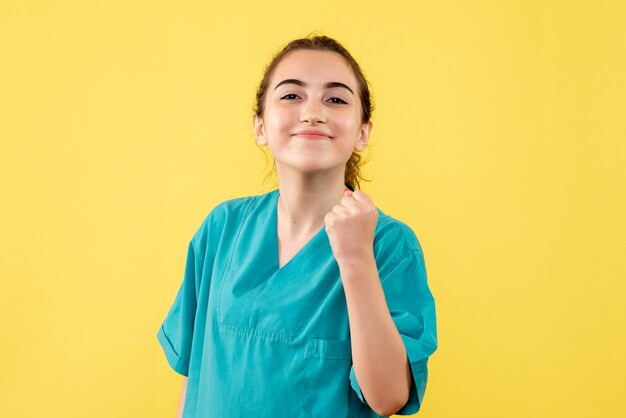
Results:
[303, 84]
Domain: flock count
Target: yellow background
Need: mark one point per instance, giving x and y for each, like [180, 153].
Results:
[499, 137]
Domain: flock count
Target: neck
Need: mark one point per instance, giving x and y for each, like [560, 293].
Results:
[305, 199]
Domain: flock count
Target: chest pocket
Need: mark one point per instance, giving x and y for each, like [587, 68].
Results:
[326, 378]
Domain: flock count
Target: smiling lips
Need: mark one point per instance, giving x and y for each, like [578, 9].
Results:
[311, 134]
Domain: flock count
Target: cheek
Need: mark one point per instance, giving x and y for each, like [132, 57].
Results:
[280, 121]
[349, 124]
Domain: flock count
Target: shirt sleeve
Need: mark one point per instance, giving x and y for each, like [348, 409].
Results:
[176, 332]
[412, 309]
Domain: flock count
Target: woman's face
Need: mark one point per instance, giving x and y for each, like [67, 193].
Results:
[312, 91]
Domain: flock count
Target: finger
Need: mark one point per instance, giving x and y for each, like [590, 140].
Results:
[340, 210]
[361, 196]
[350, 202]
[347, 199]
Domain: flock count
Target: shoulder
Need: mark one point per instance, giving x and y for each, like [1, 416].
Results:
[393, 230]
[394, 240]
[228, 212]
[229, 208]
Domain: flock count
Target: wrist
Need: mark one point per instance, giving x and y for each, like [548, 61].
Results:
[356, 261]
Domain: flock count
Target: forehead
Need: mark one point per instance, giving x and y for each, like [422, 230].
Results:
[315, 68]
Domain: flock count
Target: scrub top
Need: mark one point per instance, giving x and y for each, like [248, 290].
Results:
[256, 340]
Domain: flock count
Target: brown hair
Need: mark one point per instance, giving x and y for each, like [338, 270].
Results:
[323, 43]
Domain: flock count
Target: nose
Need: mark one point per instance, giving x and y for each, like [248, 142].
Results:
[312, 112]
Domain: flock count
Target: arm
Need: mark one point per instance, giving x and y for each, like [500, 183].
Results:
[181, 400]
[380, 359]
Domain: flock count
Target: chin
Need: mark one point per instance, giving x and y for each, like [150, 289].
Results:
[310, 166]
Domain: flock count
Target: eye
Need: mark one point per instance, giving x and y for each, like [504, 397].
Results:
[337, 98]
[291, 94]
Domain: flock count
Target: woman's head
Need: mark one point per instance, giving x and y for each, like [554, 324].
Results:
[342, 110]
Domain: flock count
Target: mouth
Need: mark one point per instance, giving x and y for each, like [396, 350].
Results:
[313, 136]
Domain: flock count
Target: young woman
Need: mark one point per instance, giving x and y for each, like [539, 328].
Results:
[307, 300]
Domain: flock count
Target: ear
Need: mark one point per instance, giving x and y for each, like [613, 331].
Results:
[364, 136]
[259, 130]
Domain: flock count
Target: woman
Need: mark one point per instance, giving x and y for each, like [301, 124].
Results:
[307, 300]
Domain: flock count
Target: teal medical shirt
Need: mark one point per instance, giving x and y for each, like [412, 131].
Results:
[258, 341]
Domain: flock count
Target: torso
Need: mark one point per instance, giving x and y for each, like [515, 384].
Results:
[287, 248]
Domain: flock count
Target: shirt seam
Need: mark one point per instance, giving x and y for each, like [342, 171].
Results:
[169, 341]
[196, 253]
[398, 264]
[232, 255]
[407, 241]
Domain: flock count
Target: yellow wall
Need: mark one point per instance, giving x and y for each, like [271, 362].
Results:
[499, 136]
